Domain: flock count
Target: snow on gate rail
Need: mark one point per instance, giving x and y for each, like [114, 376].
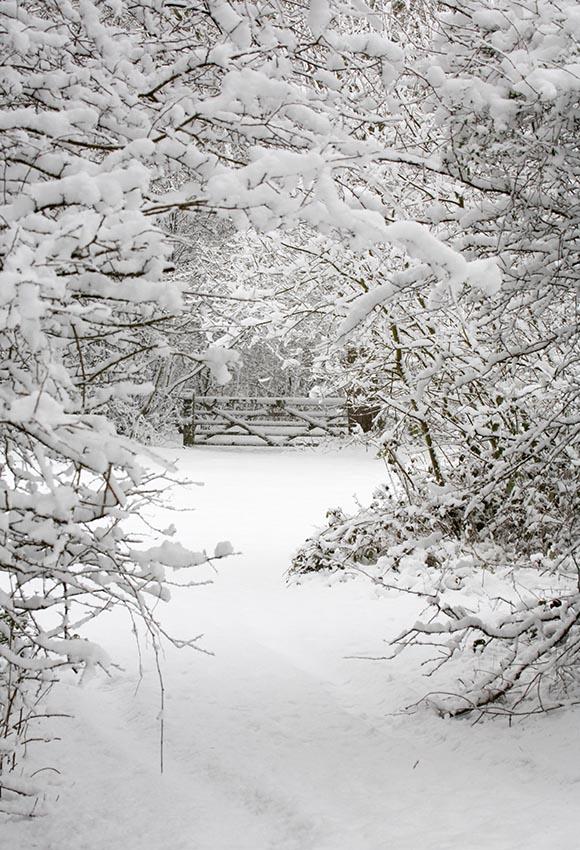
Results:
[267, 421]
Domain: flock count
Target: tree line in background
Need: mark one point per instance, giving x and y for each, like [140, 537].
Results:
[390, 187]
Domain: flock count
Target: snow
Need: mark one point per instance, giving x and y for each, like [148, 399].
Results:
[223, 549]
[278, 741]
[218, 359]
[319, 16]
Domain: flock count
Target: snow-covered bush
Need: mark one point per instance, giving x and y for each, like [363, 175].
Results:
[507, 618]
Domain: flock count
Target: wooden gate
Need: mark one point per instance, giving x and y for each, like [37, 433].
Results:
[214, 420]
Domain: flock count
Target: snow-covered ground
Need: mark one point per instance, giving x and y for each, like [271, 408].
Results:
[278, 741]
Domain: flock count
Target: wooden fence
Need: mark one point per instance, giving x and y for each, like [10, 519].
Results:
[213, 420]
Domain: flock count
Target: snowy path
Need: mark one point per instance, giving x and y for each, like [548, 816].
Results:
[278, 742]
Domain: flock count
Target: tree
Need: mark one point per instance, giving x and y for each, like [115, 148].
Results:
[480, 390]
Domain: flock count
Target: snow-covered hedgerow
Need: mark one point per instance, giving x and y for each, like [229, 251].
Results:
[479, 390]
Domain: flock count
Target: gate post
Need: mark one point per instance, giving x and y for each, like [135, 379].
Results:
[188, 429]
